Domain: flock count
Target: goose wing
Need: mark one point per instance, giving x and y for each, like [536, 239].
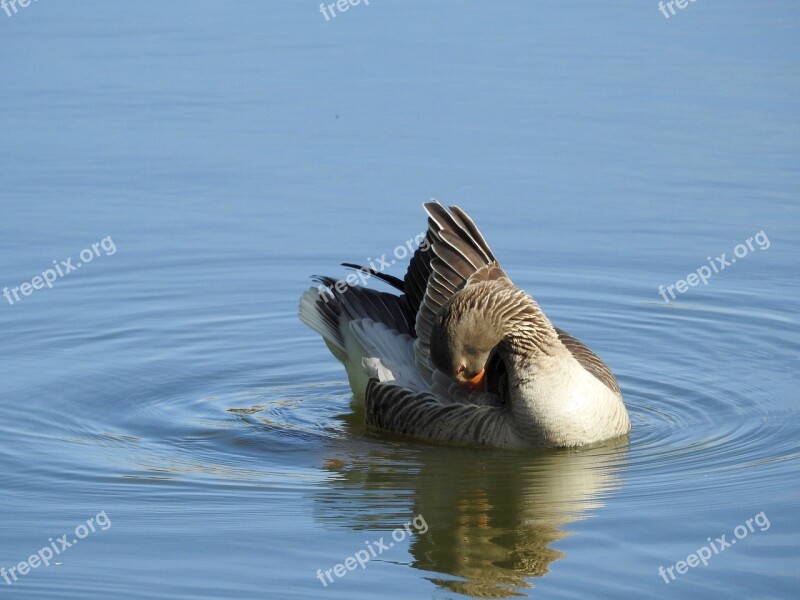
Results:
[455, 255]
[589, 360]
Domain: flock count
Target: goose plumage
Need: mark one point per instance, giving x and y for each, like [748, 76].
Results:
[462, 355]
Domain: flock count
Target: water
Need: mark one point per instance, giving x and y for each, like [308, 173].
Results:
[167, 391]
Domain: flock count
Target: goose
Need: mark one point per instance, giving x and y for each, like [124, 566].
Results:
[463, 356]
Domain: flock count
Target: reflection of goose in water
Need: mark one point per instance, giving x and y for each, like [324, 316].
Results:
[491, 517]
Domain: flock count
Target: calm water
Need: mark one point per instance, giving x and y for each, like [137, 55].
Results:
[167, 392]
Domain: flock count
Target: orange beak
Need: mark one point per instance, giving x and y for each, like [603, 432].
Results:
[476, 384]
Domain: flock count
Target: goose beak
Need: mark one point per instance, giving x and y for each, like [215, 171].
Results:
[476, 384]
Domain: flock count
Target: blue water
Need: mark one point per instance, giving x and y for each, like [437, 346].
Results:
[167, 393]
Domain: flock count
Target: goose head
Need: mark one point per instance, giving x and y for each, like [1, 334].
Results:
[474, 331]
[461, 345]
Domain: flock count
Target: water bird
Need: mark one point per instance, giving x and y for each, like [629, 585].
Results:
[462, 355]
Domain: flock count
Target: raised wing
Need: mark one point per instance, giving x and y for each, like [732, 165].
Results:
[458, 255]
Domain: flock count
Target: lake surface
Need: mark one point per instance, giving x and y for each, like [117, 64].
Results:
[217, 155]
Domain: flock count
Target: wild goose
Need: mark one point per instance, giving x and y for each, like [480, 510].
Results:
[463, 355]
